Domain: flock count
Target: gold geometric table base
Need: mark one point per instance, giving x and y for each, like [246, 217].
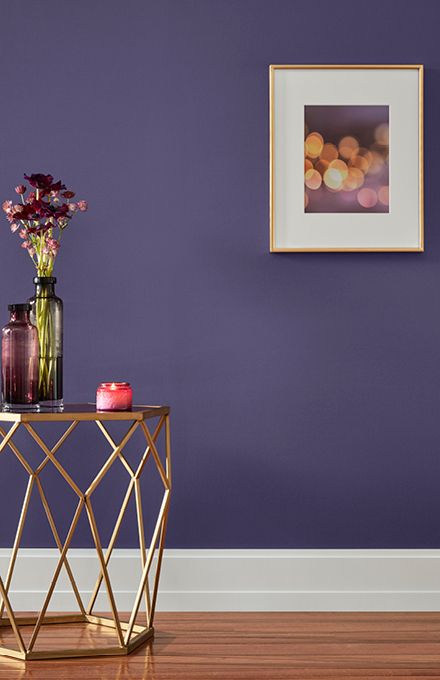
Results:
[129, 635]
[142, 635]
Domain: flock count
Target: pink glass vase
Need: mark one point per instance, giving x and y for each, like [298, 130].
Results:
[19, 360]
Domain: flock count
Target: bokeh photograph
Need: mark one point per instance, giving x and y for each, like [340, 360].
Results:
[346, 159]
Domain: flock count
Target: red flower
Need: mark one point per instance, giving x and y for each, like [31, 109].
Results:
[25, 212]
[41, 208]
[37, 210]
[54, 211]
[57, 186]
[39, 181]
[62, 210]
[40, 228]
[46, 206]
[44, 183]
[34, 210]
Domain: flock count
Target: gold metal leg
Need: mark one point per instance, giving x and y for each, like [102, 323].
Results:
[59, 546]
[163, 530]
[109, 551]
[12, 618]
[129, 635]
[52, 458]
[104, 571]
[17, 540]
[56, 574]
[142, 546]
[122, 512]
[115, 446]
[59, 443]
[137, 602]
[111, 459]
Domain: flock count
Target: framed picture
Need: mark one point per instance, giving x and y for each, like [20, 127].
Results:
[346, 158]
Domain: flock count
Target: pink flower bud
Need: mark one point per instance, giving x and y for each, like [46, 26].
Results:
[14, 226]
[20, 189]
[83, 205]
[53, 244]
[22, 233]
[25, 244]
[72, 207]
[7, 206]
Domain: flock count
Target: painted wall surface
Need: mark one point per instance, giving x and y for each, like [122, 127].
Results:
[305, 388]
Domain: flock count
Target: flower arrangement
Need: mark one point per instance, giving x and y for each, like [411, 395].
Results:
[42, 217]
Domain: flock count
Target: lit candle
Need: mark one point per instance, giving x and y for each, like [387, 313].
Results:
[114, 396]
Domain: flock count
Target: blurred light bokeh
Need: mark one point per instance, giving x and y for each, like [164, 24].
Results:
[346, 159]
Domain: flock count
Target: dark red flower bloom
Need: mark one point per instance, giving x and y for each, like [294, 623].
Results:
[68, 194]
[39, 181]
[26, 212]
[44, 183]
[39, 228]
[39, 207]
[34, 210]
[48, 210]
[62, 210]
[57, 186]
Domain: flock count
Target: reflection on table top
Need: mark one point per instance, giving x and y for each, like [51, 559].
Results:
[83, 412]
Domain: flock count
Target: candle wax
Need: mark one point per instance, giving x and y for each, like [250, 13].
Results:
[114, 397]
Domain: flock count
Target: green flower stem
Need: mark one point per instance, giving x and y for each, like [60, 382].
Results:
[46, 336]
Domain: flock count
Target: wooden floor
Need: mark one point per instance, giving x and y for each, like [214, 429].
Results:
[253, 646]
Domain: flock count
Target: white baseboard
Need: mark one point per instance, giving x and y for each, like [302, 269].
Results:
[244, 580]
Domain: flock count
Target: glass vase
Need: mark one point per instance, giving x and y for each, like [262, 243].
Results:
[47, 315]
[20, 361]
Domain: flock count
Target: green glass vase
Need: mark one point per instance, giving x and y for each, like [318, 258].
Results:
[47, 315]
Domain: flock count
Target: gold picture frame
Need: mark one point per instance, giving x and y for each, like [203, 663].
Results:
[274, 244]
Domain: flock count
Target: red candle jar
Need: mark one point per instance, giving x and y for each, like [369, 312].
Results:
[114, 396]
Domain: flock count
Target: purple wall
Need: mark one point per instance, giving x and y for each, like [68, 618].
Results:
[305, 387]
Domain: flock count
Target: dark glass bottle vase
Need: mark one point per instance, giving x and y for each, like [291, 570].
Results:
[47, 315]
[20, 361]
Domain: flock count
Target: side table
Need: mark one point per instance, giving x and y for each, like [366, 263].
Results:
[151, 420]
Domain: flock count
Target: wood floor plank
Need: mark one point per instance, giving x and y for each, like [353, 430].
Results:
[249, 646]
